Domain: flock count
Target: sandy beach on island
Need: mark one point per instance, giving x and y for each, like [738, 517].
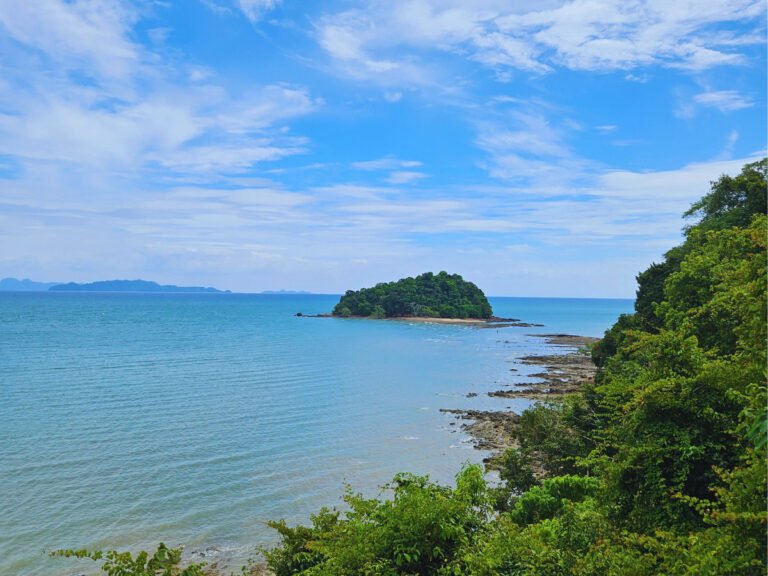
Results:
[467, 321]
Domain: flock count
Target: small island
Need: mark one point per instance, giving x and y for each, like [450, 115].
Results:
[429, 295]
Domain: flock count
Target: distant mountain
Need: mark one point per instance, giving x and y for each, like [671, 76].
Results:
[25, 285]
[130, 286]
[286, 292]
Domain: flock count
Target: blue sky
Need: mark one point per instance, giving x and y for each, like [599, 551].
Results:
[268, 144]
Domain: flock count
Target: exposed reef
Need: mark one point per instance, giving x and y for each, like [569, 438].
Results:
[563, 374]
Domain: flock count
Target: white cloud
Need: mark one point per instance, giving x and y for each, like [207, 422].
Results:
[578, 34]
[255, 10]
[216, 7]
[393, 97]
[197, 130]
[404, 177]
[723, 100]
[730, 142]
[136, 109]
[89, 36]
[527, 147]
[386, 163]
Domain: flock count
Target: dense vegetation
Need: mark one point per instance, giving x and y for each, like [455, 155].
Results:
[440, 295]
[658, 467]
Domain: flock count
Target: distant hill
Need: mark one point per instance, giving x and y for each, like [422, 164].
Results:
[25, 285]
[429, 295]
[131, 286]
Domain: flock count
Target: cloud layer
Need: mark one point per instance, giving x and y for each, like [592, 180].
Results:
[360, 141]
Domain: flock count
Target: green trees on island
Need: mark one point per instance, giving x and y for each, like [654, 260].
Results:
[657, 467]
[440, 295]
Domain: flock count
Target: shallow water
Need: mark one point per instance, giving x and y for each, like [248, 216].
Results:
[127, 419]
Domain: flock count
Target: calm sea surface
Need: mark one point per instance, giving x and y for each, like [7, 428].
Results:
[127, 419]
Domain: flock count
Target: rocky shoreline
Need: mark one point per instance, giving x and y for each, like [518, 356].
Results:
[563, 374]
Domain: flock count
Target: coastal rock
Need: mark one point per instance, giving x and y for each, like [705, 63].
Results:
[489, 430]
[563, 374]
[506, 324]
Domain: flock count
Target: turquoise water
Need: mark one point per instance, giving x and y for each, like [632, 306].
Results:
[127, 419]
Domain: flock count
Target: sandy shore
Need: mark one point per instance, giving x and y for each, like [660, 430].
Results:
[493, 322]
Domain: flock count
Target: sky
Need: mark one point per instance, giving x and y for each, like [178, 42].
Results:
[541, 148]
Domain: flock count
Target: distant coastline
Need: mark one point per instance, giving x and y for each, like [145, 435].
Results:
[132, 286]
[24, 285]
[27, 285]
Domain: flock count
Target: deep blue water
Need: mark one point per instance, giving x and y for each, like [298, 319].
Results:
[127, 419]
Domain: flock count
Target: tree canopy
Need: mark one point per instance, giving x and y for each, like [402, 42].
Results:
[440, 295]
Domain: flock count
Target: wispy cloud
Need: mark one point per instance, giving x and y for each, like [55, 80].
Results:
[405, 177]
[580, 34]
[730, 143]
[137, 109]
[528, 147]
[255, 10]
[387, 163]
[89, 37]
[723, 100]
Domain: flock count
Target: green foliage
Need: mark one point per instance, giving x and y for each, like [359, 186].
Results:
[650, 291]
[545, 501]
[431, 295]
[716, 293]
[517, 476]
[164, 562]
[420, 530]
[613, 338]
[551, 547]
[296, 554]
[378, 312]
[555, 437]
[733, 201]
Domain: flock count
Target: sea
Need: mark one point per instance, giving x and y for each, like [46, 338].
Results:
[194, 419]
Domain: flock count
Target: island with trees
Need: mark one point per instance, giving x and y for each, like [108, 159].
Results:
[428, 295]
